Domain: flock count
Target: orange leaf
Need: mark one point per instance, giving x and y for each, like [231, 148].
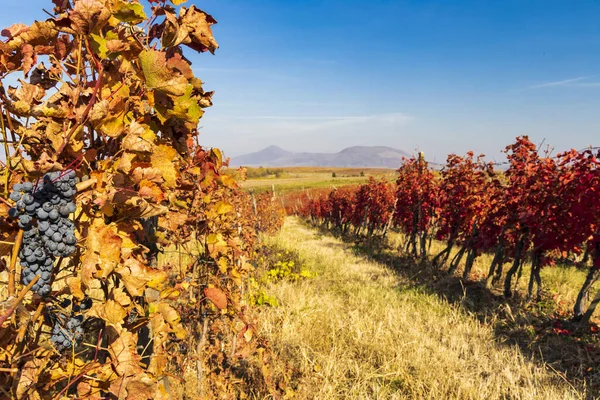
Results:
[217, 297]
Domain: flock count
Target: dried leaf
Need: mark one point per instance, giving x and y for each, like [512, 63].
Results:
[158, 74]
[216, 296]
[162, 160]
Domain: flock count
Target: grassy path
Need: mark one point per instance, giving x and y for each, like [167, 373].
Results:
[357, 331]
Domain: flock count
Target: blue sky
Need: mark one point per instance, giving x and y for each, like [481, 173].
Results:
[436, 76]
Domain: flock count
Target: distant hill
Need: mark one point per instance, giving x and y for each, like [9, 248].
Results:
[357, 156]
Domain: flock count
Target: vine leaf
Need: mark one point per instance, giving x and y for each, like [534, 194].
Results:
[103, 252]
[197, 23]
[136, 276]
[159, 75]
[162, 160]
[89, 16]
[217, 297]
[132, 13]
[111, 312]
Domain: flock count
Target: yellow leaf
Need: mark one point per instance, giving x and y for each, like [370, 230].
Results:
[248, 335]
[163, 159]
[129, 12]
[223, 263]
[223, 207]
[103, 251]
[74, 284]
[170, 293]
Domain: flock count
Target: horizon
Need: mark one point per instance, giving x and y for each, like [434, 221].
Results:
[435, 77]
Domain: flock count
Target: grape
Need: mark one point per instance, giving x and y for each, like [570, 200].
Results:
[25, 219]
[45, 290]
[65, 303]
[15, 196]
[42, 214]
[28, 199]
[86, 304]
[53, 215]
[13, 213]
[57, 237]
[64, 336]
[70, 239]
[71, 206]
[48, 205]
[43, 225]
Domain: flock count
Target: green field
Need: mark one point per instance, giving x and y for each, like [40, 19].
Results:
[298, 178]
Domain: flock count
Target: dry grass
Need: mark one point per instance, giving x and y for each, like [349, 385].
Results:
[358, 332]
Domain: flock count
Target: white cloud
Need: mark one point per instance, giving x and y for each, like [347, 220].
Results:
[566, 82]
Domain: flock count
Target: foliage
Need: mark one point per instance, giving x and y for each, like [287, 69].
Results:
[542, 209]
[270, 212]
[107, 91]
[275, 264]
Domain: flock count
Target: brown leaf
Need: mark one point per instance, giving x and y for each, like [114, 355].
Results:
[89, 15]
[29, 375]
[29, 58]
[74, 284]
[145, 171]
[124, 162]
[44, 164]
[39, 33]
[122, 349]
[172, 221]
[172, 318]
[172, 34]
[217, 297]
[14, 30]
[197, 23]
[158, 74]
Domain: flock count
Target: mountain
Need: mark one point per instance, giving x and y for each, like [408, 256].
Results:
[357, 156]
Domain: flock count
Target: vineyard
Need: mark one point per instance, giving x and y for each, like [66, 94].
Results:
[541, 209]
[102, 177]
[134, 265]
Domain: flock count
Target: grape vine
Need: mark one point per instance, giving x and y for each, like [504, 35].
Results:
[128, 238]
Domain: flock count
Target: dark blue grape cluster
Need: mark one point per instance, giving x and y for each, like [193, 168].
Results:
[43, 213]
[67, 334]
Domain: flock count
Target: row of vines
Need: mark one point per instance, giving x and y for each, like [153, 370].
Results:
[541, 209]
[125, 250]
